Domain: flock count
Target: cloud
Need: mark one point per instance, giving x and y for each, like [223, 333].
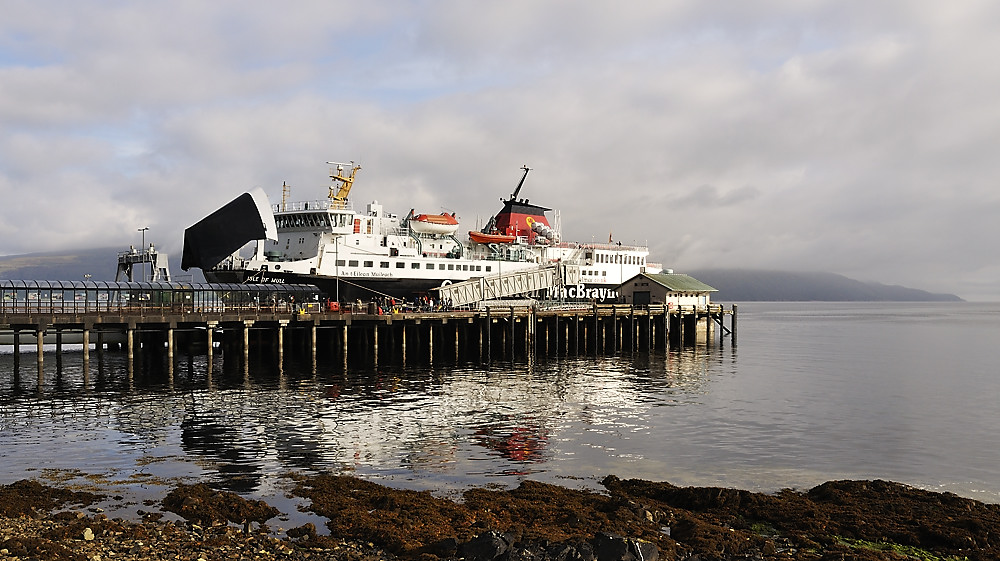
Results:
[843, 136]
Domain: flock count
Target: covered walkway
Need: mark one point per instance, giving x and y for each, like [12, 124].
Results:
[76, 297]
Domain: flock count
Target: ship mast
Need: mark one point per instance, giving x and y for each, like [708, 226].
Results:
[526, 169]
[286, 191]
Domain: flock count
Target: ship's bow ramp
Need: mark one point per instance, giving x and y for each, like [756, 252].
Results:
[244, 219]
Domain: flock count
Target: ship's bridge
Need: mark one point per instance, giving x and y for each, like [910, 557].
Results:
[329, 216]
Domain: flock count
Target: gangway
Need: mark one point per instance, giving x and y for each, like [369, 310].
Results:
[147, 259]
[504, 285]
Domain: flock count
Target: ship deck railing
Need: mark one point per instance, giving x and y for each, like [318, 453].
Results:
[605, 246]
[318, 204]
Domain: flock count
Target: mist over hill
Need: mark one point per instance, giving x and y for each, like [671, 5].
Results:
[737, 285]
[734, 285]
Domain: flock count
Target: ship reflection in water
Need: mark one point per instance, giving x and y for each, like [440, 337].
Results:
[521, 442]
[450, 426]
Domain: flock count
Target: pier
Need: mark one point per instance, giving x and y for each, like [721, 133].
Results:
[235, 322]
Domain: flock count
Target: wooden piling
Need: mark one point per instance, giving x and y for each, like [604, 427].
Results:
[489, 330]
[17, 349]
[209, 340]
[732, 324]
[86, 349]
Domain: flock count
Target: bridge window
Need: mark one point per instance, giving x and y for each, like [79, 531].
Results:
[369, 263]
[383, 264]
[352, 263]
[414, 265]
[400, 265]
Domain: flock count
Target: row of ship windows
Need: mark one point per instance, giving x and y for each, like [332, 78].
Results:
[402, 265]
[620, 259]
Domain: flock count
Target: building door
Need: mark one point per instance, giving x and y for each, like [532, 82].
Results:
[640, 298]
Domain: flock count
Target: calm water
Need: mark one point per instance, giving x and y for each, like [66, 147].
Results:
[813, 392]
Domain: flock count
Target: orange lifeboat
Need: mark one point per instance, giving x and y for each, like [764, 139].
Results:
[441, 224]
[480, 237]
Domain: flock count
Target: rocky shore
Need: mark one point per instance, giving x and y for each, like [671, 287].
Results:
[633, 520]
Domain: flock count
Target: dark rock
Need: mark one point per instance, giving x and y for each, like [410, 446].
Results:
[447, 547]
[307, 530]
[612, 547]
[644, 551]
[485, 547]
[581, 551]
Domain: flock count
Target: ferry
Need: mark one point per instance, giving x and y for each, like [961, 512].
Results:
[373, 253]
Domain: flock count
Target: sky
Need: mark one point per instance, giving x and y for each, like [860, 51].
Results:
[854, 137]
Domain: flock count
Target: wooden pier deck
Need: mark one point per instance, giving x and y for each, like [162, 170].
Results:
[369, 339]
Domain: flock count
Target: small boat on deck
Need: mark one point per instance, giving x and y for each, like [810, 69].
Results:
[440, 224]
[481, 237]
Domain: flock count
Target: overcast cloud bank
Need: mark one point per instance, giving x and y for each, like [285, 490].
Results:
[851, 137]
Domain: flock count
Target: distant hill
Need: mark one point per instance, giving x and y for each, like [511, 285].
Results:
[777, 286]
[100, 263]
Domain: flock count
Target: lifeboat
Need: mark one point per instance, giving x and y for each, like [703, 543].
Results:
[480, 237]
[441, 224]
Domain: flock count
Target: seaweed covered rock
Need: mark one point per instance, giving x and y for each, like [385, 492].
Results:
[201, 504]
[26, 497]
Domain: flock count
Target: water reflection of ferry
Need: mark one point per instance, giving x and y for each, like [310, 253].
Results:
[353, 254]
[521, 441]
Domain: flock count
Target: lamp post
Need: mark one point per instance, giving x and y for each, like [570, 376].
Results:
[143, 230]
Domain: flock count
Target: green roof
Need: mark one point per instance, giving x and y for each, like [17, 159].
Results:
[678, 283]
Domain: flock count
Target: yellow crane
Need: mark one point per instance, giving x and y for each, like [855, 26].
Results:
[342, 184]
